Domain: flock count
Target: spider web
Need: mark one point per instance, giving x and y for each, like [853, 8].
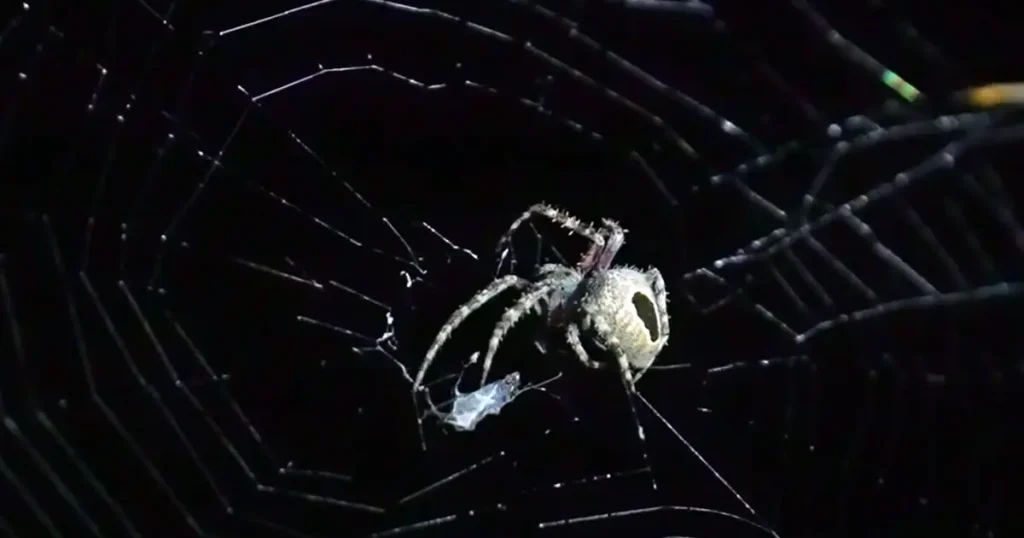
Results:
[228, 240]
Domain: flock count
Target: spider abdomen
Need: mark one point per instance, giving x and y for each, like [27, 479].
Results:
[618, 309]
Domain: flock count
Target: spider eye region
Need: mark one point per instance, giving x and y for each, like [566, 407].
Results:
[645, 309]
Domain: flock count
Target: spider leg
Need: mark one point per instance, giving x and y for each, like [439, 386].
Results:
[533, 294]
[549, 268]
[460, 314]
[661, 300]
[627, 375]
[568, 222]
[572, 335]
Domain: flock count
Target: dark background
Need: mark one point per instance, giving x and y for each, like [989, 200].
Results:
[901, 425]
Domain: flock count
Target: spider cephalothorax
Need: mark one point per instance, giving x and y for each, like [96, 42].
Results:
[618, 310]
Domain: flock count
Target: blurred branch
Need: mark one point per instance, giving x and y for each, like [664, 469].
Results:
[691, 7]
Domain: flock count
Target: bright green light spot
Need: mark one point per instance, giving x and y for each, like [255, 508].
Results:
[901, 86]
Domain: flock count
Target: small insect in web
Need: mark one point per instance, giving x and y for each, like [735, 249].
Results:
[470, 408]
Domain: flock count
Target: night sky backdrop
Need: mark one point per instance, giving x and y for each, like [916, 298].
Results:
[229, 231]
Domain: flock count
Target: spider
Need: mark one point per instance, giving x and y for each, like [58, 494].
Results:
[620, 310]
